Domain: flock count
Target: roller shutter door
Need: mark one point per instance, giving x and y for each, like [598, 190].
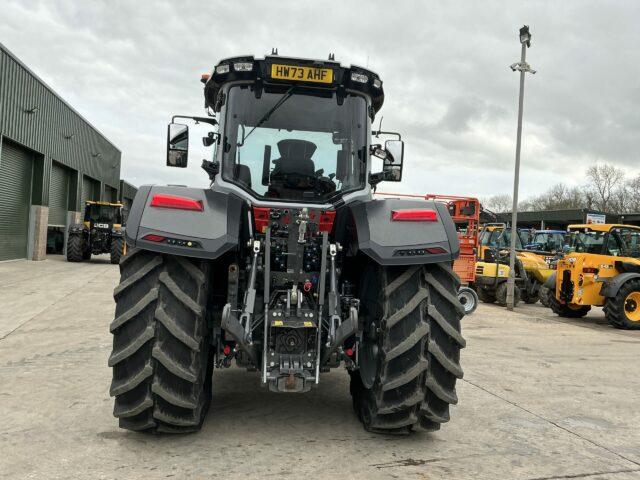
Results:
[16, 170]
[90, 191]
[58, 196]
[110, 194]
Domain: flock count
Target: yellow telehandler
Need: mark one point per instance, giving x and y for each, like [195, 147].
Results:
[602, 269]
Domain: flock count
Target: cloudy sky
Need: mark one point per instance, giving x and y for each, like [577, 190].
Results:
[128, 66]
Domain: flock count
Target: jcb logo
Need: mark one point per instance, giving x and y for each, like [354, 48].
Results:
[101, 225]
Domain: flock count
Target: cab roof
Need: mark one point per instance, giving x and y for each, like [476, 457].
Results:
[601, 227]
[264, 72]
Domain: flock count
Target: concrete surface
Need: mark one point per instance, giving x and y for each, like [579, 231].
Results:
[542, 398]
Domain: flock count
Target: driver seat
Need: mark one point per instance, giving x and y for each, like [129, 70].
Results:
[295, 157]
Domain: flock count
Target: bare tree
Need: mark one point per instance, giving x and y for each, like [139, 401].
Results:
[558, 197]
[498, 203]
[606, 182]
[633, 186]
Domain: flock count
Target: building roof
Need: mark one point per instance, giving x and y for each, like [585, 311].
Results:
[53, 92]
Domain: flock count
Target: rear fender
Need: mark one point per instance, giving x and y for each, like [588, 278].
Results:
[610, 287]
[404, 243]
[201, 234]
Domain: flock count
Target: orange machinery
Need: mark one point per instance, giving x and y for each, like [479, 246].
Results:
[465, 212]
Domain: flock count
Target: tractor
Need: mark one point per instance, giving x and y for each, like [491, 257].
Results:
[101, 232]
[601, 269]
[286, 265]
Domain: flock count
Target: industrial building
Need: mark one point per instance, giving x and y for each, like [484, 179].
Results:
[51, 160]
[561, 219]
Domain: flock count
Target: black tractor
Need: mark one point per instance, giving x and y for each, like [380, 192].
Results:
[101, 232]
[287, 266]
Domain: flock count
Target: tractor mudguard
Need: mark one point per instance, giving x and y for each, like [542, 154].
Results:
[391, 242]
[611, 286]
[551, 282]
[202, 234]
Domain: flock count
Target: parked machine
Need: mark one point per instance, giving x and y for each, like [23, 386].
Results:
[602, 269]
[101, 232]
[550, 241]
[492, 270]
[287, 265]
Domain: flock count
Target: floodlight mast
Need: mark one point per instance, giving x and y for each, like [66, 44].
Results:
[523, 67]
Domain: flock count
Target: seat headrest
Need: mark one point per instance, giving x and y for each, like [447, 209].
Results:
[296, 149]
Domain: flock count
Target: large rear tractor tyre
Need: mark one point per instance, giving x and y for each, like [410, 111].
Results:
[75, 248]
[410, 354]
[485, 296]
[469, 300]
[623, 310]
[162, 361]
[117, 248]
[567, 310]
[501, 295]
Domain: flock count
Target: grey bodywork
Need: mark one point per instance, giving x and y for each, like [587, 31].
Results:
[216, 229]
[396, 243]
[611, 286]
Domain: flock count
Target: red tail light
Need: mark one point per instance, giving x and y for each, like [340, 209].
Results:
[590, 270]
[414, 215]
[161, 200]
[154, 238]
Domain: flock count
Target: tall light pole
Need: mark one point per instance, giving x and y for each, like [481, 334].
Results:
[522, 67]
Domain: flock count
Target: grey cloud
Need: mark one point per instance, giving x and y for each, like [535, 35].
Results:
[128, 66]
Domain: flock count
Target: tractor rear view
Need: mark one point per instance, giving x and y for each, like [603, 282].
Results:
[101, 232]
[286, 266]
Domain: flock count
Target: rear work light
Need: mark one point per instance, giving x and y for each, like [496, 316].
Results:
[162, 200]
[414, 215]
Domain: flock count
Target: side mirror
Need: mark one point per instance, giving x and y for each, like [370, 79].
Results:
[177, 145]
[392, 164]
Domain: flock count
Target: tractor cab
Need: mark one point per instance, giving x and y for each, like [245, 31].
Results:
[103, 215]
[291, 130]
[551, 241]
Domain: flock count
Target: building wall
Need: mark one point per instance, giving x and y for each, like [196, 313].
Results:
[54, 130]
[35, 118]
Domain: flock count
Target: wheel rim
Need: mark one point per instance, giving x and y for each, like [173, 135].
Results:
[467, 300]
[632, 306]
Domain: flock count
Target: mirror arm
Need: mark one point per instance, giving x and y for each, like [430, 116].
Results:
[211, 121]
[377, 133]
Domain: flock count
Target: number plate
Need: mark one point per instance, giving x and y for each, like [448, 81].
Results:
[302, 74]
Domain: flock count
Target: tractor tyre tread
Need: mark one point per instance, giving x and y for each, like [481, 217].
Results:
[75, 248]
[615, 307]
[419, 359]
[485, 296]
[117, 247]
[161, 357]
[563, 310]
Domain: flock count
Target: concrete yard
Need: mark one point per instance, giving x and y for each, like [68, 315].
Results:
[542, 398]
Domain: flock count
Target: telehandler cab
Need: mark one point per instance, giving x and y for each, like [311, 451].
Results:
[602, 269]
[101, 232]
[286, 265]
